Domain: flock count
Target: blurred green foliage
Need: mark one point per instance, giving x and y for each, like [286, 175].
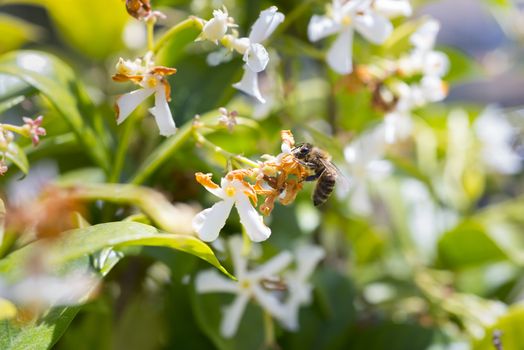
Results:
[436, 264]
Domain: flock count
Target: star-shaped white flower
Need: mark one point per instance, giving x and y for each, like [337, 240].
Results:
[249, 286]
[233, 192]
[368, 18]
[299, 288]
[254, 53]
[496, 134]
[152, 80]
[366, 163]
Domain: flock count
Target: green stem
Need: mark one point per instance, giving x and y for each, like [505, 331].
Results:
[191, 22]
[217, 149]
[17, 129]
[150, 25]
[269, 330]
[120, 156]
[162, 153]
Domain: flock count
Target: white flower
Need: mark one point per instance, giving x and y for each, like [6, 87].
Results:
[431, 66]
[306, 257]
[496, 134]
[365, 160]
[42, 290]
[366, 17]
[152, 80]
[209, 222]
[249, 285]
[216, 27]
[254, 53]
[393, 8]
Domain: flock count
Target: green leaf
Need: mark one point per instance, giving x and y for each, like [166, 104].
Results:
[92, 27]
[16, 155]
[16, 32]
[511, 330]
[12, 88]
[391, 336]
[79, 242]
[171, 218]
[44, 332]
[71, 252]
[55, 80]
[469, 244]
[461, 66]
[327, 325]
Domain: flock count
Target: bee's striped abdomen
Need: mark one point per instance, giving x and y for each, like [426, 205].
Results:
[324, 187]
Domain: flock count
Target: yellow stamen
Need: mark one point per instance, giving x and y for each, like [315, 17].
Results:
[230, 191]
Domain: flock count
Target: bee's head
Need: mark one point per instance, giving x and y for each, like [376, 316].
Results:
[302, 150]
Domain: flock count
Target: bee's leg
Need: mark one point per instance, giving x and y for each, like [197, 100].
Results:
[314, 176]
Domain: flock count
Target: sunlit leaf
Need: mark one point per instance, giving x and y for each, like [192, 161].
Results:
[93, 27]
[58, 83]
[17, 156]
[15, 33]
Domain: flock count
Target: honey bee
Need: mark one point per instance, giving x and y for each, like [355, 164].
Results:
[324, 171]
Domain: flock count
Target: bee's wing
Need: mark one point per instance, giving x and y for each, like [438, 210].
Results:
[342, 180]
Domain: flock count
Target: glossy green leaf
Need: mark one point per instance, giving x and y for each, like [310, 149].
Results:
[79, 242]
[15, 33]
[469, 244]
[93, 27]
[326, 325]
[169, 217]
[16, 155]
[509, 329]
[55, 80]
[12, 87]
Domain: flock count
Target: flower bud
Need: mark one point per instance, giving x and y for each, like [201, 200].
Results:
[216, 27]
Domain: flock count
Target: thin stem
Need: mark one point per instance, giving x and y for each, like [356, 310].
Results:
[217, 149]
[14, 128]
[123, 145]
[150, 25]
[269, 330]
[191, 22]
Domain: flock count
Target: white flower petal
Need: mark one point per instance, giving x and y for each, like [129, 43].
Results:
[339, 55]
[321, 26]
[360, 201]
[249, 84]
[266, 24]
[269, 302]
[232, 315]
[162, 113]
[397, 126]
[251, 220]
[256, 57]
[433, 88]
[212, 281]
[272, 266]
[129, 102]
[307, 258]
[289, 318]
[373, 27]
[210, 221]
[393, 8]
[235, 244]
[435, 63]
[425, 36]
